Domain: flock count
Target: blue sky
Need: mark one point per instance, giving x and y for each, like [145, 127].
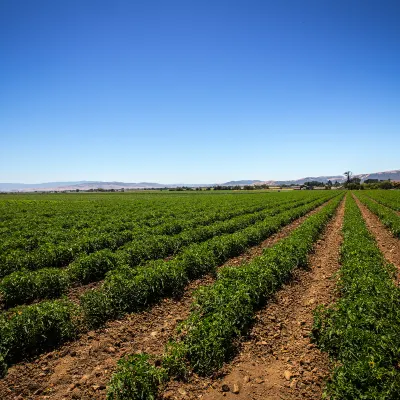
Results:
[197, 91]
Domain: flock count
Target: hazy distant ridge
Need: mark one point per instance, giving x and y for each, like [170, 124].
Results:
[86, 185]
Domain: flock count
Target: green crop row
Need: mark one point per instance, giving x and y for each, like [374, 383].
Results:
[52, 255]
[125, 289]
[221, 313]
[27, 225]
[389, 198]
[387, 216]
[28, 330]
[25, 286]
[361, 332]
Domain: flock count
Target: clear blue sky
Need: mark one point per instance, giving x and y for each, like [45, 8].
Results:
[197, 90]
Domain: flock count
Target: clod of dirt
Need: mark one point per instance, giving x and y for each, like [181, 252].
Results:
[287, 375]
[225, 388]
[236, 388]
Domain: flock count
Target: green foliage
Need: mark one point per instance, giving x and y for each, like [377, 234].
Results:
[37, 233]
[174, 361]
[92, 267]
[135, 379]
[29, 330]
[127, 290]
[25, 286]
[389, 199]
[362, 330]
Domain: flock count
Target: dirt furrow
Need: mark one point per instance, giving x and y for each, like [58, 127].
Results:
[387, 243]
[277, 360]
[82, 369]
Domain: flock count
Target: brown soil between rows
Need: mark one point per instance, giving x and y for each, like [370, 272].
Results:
[277, 360]
[82, 369]
[387, 243]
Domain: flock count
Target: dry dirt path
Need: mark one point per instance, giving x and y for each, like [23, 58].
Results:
[277, 360]
[82, 369]
[387, 243]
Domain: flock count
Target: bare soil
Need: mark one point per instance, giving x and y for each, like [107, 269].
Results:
[387, 243]
[277, 360]
[82, 369]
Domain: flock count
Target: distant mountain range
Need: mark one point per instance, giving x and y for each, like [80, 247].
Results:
[87, 185]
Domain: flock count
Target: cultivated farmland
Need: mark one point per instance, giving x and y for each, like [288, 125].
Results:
[208, 295]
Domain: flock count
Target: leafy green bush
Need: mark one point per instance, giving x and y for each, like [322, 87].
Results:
[135, 378]
[92, 267]
[25, 286]
[28, 330]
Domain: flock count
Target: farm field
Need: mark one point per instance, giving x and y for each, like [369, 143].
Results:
[188, 295]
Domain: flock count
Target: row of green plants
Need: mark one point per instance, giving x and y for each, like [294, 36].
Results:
[387, 216]
[27, 224]
[389, 198]
[25, 286]
[29, 330]
[221, 313]
[361, 331]
[50, 255]
[126, 289]
[61, 223]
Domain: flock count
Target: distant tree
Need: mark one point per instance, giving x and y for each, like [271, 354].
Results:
[353, 186]
[386, 185]
[329, 183]
[314, 183]
[348, 175]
